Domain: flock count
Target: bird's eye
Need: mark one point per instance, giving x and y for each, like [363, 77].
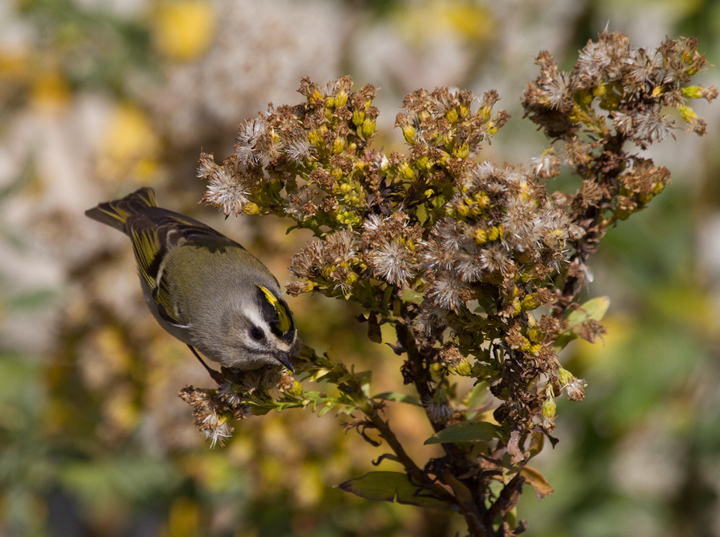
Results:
[257, 334]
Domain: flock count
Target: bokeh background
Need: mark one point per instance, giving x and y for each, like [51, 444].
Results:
[99, 97]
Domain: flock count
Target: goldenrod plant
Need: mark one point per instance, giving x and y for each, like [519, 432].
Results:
[474, 265]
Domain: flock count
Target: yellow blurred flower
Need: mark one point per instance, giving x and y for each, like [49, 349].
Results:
[184, 519]
[472, 21]
[130, 146]
[49, 92]
[14, 65]
[310, 487]
[121, 412]
[36, 77]
[619, 330]
[468, 20]
[114, 351]
[184, 29]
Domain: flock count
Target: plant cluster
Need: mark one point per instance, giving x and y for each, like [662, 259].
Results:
[475, 266]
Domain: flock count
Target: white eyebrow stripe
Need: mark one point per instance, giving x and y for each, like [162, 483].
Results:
[256, 318]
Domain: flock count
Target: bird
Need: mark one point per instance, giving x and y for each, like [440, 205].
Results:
[202, 287]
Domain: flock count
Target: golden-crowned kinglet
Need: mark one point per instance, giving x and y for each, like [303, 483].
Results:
[203, 288]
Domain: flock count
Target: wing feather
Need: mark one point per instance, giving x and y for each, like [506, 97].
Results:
[155, 232]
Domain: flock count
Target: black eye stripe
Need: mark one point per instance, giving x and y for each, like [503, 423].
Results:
[257, 334]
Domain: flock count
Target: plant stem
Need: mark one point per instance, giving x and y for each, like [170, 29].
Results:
[467, 503]
[412, 469]
[463, 495]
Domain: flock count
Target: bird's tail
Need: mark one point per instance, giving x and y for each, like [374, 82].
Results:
[114, 213]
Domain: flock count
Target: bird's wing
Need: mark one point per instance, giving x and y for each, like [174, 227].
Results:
[154, 233]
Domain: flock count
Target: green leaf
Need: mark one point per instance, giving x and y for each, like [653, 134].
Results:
[466, 431]
[364, 377]
[399, 397]
[393, 486]
[594, 309]
[408, 295]
[325, 409]
[387, 296]
[476, 398]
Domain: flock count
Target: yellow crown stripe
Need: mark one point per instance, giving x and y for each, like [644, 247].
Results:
[283, 317]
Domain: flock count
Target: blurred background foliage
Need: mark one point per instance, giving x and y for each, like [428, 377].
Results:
[98, 97]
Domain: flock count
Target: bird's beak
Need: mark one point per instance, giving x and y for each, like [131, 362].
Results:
[284, 359]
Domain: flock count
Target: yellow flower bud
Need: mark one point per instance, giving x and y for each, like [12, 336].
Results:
[462, 152]
[409, 133]
[482, 199]
[368, 128]
[529, 302]
[296, 390]
[564, 376]
[358, 117]
[452, 115]
[341, 98]
[480, 236]
[251, 208]
[687, 113]
[548, 408]
[338, 145]
[692, 92]
[535, 335]
[423, 163]
[463, 369]
[406, 171]
[314, 137]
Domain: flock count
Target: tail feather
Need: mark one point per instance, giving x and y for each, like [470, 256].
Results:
[115, 213]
